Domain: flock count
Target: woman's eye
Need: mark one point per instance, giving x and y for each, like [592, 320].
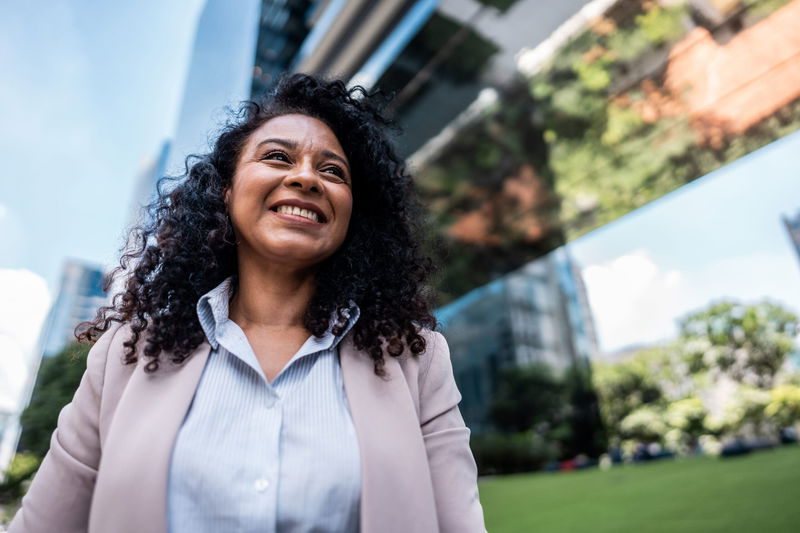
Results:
[276, 156]
[336, 171]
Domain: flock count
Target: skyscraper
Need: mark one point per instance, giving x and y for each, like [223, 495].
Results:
[538, 314]
[792, 225]
[80, 295]
[220, 74]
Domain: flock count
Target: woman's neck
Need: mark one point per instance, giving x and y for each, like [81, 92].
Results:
[269, 297]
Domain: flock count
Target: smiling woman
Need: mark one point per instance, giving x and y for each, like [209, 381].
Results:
[270, 364]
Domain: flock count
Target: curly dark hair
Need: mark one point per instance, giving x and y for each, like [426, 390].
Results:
[186, 245]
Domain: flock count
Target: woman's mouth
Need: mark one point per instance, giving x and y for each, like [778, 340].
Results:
[297, 211]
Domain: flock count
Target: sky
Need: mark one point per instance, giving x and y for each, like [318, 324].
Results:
[719, 237]
[89, 92]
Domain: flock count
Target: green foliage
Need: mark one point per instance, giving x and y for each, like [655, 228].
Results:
[23, 466]
[623, 388]
[526, 397]
[540, 417]
[645, 424]
[764, 7]
[662, 24]
[744, 413]
[687, 415]
[593, 75]
[628, 44]
[506, 453]
[56, 383]
[655, 395]
[747, 342]
[686, 420]
[784, 405]
[622, 122]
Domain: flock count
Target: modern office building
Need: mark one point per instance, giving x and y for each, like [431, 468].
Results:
[219, 76]
[434, 56]
[538, 314]
[792, 225]
[153, 169]
[79, 296]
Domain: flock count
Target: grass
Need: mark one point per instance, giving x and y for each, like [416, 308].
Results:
[758, 492]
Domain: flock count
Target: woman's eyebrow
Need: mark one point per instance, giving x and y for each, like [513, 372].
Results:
[333, 155]
[274, 140]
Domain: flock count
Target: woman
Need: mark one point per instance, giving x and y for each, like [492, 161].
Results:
[270, 365]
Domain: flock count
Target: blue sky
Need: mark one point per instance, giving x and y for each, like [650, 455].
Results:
[719, 237]
[90, 90]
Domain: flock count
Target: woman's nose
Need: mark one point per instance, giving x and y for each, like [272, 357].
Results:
[305, 178]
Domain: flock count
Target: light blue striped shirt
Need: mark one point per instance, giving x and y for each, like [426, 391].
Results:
[254, 456]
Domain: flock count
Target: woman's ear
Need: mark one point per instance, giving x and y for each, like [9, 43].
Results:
[226, 196]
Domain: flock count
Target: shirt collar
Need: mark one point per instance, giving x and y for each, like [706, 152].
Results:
[213, 311]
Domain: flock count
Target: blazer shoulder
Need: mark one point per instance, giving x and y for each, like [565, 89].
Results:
[435, 348]
[435, 356]
[430, 372]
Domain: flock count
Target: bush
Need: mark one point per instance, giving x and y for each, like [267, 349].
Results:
[22, 468]
[506, 453]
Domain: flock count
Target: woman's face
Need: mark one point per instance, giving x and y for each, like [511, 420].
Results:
[291, 197]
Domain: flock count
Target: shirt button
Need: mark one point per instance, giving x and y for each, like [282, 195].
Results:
[261, 484]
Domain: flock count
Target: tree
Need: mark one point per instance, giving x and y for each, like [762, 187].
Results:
[22, 467]
[56, 383]
[645, 424]
[527, 397]
[784, 405]
[587, 434]
[749, 343]
[686, 419]
[626, 386]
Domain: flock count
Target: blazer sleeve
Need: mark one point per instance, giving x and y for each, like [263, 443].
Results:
[60, 495]
[453, 470]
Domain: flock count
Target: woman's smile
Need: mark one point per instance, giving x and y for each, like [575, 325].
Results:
[294, 209]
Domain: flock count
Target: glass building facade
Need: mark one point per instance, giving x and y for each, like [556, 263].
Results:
[80, 295]
[792, 225]
[282, 29]
[538, 314]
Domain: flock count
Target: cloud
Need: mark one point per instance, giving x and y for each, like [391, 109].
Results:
[24, 302]
[633, 300]
[12, 238]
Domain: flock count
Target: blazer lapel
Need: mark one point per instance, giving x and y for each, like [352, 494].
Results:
[139, 447]
[396, 491]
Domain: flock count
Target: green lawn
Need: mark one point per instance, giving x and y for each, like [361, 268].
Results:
[759, 493]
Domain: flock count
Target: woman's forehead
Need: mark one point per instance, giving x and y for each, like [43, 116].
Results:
[301, 130]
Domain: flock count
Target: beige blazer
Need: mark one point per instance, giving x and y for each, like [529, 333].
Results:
[106, 471]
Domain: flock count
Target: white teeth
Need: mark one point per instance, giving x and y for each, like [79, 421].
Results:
[292, 210]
